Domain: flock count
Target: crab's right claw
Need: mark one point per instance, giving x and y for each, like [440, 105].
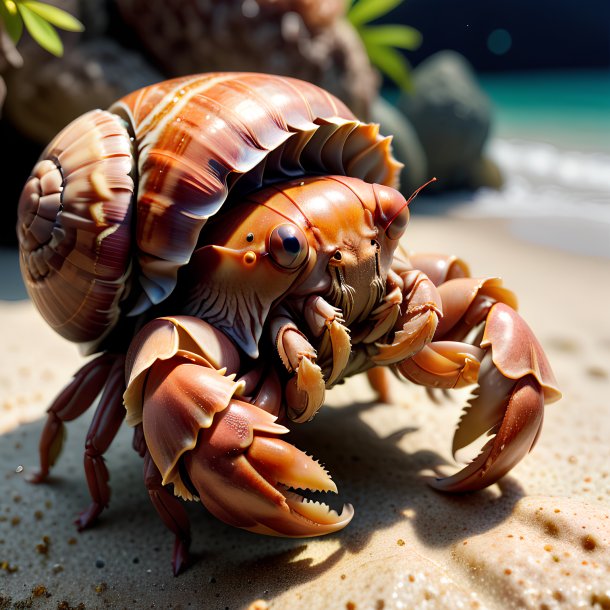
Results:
[248, 477]
[206, 442]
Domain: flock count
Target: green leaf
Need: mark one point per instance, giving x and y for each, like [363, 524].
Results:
[365, 11]
[400, 36]
[41, 31]
[393, 64]
[12, 22]
[54, 15]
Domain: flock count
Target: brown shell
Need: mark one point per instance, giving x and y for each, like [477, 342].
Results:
[88, 256]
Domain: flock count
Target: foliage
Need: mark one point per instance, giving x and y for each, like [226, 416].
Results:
[39, 19]
[382, 42]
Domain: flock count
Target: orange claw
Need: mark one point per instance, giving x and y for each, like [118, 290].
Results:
[206, 442]
[243, 474]
[515, 381]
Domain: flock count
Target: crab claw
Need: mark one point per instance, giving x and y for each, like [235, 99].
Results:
[246, 477]
[515, 381]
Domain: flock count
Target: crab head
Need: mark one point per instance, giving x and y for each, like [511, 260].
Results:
[331, 236]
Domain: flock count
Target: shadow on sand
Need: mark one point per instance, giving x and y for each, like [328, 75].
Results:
[380, 476]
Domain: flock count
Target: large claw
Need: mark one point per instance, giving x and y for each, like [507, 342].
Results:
[199, 437]
[515, 381]
[247, 477]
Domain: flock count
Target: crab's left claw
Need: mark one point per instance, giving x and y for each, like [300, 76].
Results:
[515, 381]
[248, 477]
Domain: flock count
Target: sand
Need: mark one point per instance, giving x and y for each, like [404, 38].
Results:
[538, 539]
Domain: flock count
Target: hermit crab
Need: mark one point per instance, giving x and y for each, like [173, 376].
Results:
[228, 246]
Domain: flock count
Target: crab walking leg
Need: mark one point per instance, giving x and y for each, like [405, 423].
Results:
[171, 512]
[481, 338]
[106, 422]
[306, 389]
[70, 403]
[439, 267]
[207, 442]
[326, 321]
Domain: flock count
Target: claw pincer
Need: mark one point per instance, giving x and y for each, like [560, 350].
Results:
[209, 443]
[482, 339]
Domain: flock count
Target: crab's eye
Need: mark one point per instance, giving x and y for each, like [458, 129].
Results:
[288, 246]
[398, 225]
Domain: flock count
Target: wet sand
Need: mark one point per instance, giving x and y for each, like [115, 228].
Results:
[540, 538]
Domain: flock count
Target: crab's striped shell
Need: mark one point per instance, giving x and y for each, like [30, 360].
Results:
[117, 201]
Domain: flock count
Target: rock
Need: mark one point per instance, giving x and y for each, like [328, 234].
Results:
[405, 143]
[452, 117]
[44, 96]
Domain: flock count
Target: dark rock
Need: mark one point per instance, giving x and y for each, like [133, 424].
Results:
[405, 143]
[452, 117]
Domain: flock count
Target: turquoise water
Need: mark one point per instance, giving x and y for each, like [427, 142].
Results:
[551, 140]
[570, 110]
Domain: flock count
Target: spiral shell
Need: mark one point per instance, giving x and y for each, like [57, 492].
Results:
[118, 199]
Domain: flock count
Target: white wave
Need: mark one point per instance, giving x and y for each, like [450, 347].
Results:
[566, 192]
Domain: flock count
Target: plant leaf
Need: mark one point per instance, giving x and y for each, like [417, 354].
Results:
[41, 31]
[400, 36]
[365, 11]
[12, 22]
[55, 16]
[393, 64]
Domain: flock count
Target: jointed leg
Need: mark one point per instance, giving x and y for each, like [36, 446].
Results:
[481, 338]
[172, 513]
[200, 438]
[70, 403]
[422, 270]
[108, 417]
[314, 370]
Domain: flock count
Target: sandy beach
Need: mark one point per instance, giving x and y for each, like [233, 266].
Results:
[538, 539]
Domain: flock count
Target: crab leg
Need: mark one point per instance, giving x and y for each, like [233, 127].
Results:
[172, 514]
[481, 338]
[438, 268]
[70, 403]
[305, 390]
[104, 372]
[106, 422]
[209, 443]
[327, 321]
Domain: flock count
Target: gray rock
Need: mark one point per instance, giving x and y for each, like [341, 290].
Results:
[452, 117]
[405, 143]
[45, 95]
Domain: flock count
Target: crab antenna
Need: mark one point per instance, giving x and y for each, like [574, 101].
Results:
[416, 192]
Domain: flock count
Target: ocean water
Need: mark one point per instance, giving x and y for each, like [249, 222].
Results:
[570, 110]
[551, 140]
